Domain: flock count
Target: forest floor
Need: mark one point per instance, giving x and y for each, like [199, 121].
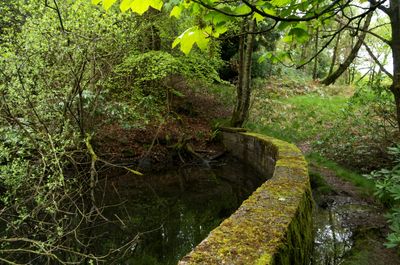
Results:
[184, 133]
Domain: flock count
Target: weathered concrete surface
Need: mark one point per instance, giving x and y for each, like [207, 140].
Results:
[274, 225]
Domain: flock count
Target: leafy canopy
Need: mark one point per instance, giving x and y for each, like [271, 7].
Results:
[214, 16]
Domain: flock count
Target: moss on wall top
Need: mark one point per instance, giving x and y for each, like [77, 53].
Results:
[259, 230]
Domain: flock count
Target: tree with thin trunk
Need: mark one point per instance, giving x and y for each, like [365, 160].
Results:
[216, 15]
[393, 12]
[335, 52]
[315, 68]
[353, 54]
[243, 88]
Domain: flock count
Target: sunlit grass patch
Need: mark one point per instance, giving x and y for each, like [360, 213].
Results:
[296, 118]
[366, 186]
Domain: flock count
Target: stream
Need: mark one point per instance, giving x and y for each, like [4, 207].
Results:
[163, 216]
[341, 222]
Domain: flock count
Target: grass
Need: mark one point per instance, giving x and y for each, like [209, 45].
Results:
[305, 113]
[319, 183]
[366, 186]
[306, 117]
[297, 118]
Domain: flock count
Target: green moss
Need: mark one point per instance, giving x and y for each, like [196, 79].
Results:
[273, 222]
[369, 250]
[367, 186]
[264, 259]
[319, 184]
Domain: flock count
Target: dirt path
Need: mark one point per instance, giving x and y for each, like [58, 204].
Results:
[350, 227]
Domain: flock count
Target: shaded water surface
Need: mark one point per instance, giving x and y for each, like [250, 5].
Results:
[336, 220]
[169, 213]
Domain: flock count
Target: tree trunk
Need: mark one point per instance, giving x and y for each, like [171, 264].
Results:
[315, 68]
[241, 111]
[394, 14]
[335, 51]
[343, 67]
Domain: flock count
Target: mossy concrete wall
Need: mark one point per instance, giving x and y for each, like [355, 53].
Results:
[274, 225]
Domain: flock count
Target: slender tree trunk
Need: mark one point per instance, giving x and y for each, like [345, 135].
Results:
[334, 56]
[343, 67]
[241, 111]
[239, 85]
[394, 15]
[315, 68]
[371, 78]
[247, 73]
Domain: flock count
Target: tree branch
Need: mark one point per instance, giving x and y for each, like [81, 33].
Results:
[376, 60]
[380, 6]
[388, 42]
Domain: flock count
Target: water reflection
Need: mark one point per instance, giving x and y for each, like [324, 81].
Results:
[334, 225]
[332, 239]
[171, 212]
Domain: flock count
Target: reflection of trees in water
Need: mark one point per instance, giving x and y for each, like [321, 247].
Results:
[332, 239]
[173, 211]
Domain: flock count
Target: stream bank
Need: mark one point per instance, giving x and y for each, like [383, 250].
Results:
[350, 227]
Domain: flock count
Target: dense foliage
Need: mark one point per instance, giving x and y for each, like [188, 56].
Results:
[68, 68]
[388, 190]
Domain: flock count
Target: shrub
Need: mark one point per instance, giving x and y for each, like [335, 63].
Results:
[387, 184]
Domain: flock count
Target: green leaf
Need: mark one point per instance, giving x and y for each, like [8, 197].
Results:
[201, 39]
[156, 4]
[221, 29]
[263, 57]
[284, 25]
[95, 2]
[176, 12]
[242, 10]
[284, 57]
[216, 17]
[280, 3]
[176, 42]
[187, 43]
[302, 25]
[258, 17]
[140, 6]
[108, 3]
[269, 11]
[125, 5]
[287, 38]
[299, 34]
[191, 36]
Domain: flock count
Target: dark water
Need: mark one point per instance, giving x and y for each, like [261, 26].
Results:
[336, 220]
[166, 215]
[333, 238]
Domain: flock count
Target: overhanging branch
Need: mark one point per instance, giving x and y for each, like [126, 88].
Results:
[376, 60]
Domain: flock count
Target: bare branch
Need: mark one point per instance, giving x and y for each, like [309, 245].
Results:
[377, 61]
[380, 6]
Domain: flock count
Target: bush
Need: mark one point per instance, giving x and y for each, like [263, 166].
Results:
[387, 184]
[360, 137]
[51, 83]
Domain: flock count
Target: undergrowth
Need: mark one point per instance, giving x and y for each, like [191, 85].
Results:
[346, 124]
[367, 186]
